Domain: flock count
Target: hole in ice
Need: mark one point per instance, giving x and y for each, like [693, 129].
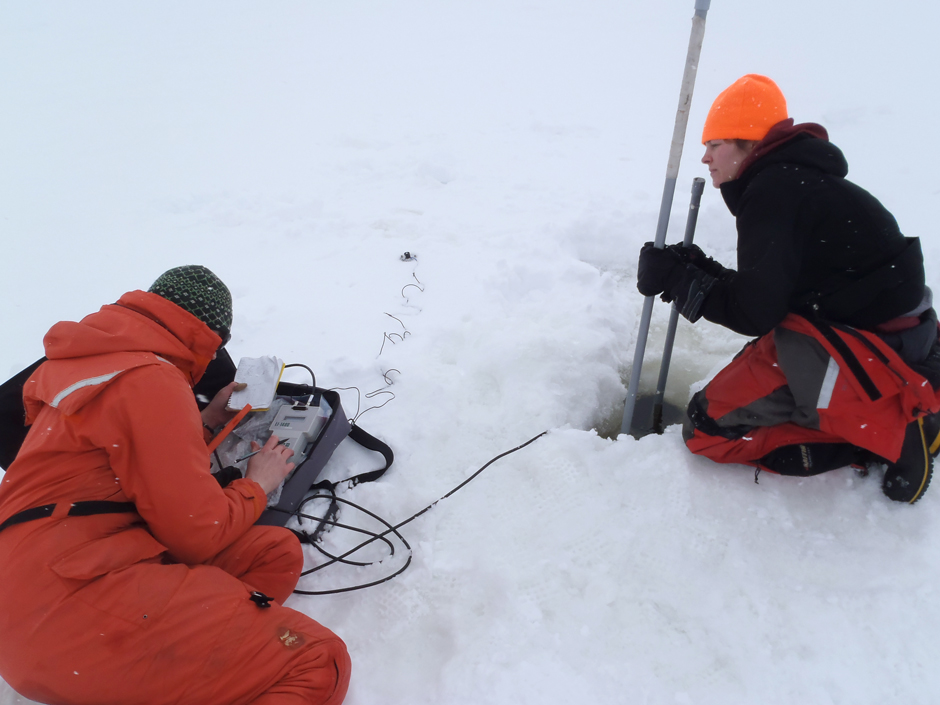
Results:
[672, 413]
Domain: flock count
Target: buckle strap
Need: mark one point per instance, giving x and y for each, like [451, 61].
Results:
[77, 509]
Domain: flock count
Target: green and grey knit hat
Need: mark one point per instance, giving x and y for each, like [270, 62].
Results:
[199, 291]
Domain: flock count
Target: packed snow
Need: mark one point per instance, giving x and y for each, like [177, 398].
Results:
[518, 149]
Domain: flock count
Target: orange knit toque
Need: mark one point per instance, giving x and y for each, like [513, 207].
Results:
[745, 110]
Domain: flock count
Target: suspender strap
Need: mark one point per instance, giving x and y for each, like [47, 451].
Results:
[865, 341]
[78, 509]
[849, 358]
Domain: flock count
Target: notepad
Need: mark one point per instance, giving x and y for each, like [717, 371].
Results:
[261, 374]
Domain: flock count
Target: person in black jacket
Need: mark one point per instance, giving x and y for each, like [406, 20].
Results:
[834, 293]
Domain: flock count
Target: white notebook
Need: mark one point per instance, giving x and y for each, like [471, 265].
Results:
[261, 374]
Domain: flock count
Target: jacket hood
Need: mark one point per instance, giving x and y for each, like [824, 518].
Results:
[789, 143]
[141, 329]
[138, 322]
[806, 144]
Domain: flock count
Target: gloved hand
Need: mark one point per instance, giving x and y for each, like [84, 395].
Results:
[693, 255]
[658, 270]
[688, 254]
[686, 283]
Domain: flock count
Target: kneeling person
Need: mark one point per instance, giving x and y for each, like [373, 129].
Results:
[845, 367]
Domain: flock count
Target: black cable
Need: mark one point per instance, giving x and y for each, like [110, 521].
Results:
[313, 377]
[349, 527]
[344, 557]
[393, 530]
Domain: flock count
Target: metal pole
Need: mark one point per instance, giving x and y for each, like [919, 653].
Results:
[698, 186]
[669, 189]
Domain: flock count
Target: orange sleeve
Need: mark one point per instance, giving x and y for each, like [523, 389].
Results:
[148, 423]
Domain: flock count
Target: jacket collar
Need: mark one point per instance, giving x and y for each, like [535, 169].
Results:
[806, 144]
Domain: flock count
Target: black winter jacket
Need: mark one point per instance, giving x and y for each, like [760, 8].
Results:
[809, 241]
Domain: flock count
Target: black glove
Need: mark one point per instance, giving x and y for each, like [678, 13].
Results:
[664, 271]
[658, 270]
[693, 255]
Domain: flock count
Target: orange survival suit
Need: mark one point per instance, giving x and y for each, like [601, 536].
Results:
[153, 605]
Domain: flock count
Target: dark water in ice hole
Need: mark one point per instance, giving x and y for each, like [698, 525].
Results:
[642, 417]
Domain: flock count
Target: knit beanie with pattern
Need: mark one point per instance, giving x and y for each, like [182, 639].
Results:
[196, 289]
[745, 110]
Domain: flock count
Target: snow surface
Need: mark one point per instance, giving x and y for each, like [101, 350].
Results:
[518, 147]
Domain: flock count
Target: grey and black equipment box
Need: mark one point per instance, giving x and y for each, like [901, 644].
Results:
[313, 439]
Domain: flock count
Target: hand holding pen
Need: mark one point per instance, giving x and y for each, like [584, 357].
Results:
[270, 465]
[255, 452]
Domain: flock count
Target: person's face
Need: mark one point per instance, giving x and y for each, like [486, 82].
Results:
[723, 158]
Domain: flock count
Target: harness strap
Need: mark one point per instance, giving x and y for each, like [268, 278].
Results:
[872, 347]
[77, 509]
[849, 358]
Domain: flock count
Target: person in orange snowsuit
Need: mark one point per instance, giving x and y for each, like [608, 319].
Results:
[129, 575]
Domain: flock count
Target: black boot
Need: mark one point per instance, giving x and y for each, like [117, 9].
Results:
[907, 478]
[805, 459]
[932, 433]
